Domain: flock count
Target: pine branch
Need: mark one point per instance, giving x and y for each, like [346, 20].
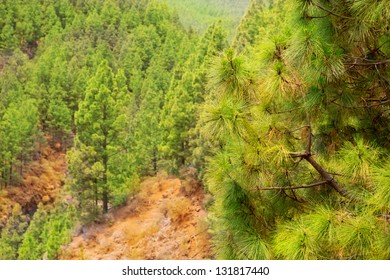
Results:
[307, 155]
[289, 183]
[379, 103]
[329, 179]
[330, 12]
[298, 155]
[282, 112]
[384, 216]
[368, 63]
[291, 188]
[314, 17]
[324, 174]
[299, 128]
[291, 197]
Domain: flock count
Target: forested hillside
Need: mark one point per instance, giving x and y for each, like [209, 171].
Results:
[286, 128]
[200, 14]
[113, 84]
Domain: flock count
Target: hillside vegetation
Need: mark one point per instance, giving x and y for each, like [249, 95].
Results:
[300, 121]
[284, 131]
[114, 84]
[165, 220]
[202, 13]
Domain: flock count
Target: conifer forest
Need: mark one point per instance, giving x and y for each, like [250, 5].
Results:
[210, 129]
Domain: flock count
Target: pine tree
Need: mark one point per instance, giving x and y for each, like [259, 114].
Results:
[211, 44]
[100, 123]
[57, 230]
[302, 136]
[147, 132]
[11, 235]
[32, 247]
[18, 133]
[177, 113]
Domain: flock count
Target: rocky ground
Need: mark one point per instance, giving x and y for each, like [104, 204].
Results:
[165, 220]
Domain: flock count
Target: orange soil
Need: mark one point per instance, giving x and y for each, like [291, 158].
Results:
[41, 182]
[163, 221]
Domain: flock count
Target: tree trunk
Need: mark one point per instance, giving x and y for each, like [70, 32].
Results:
[105, 200]
[21, 167]
[105, 181]
[105, 165]
[182, 157]
[3, 176]
[155, 162]
[10, 173]
[96, 196]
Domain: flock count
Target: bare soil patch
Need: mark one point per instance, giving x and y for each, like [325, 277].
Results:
[165, 220]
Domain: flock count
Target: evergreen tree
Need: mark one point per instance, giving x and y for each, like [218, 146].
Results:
[11, 235]
[32, 247]
[100, 123]
[186, 93]
[57, 230]
[302, 136]
[147, 132]
[18, 133]
[48, 230]
[176, 120]
[212, 44]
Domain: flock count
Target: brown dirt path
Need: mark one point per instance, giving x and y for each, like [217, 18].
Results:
[165, 220]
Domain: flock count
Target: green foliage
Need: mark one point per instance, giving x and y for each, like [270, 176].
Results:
[381, 179]
[183, 99]
[25, 22]
[47, 232]
[100, 123]
[141, 37]
[295, 242]
[60, 120]
[18, 131]
[200, 14]
[360, 159]
[116, 84]
[32, 247]
[11, 235]
[57, 230]
[294, 128]
[302, 133]
[40, 238]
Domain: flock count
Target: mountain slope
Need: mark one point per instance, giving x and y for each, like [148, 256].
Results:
[164, 221]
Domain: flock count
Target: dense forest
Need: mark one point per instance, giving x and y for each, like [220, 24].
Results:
[283, 117]
[202, 13]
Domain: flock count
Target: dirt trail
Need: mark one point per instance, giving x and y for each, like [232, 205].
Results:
[163, 221]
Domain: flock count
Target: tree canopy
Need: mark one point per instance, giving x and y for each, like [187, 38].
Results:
[301, 168]
[284, 120]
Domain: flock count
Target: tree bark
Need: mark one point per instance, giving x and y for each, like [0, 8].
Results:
[105, 181]
[329, 179]
[10, 173]
[155, 161]
[324, 174]
[105, 165]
